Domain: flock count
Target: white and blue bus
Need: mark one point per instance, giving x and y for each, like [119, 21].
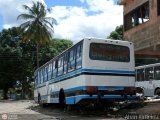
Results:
[148, 79]
[91, 69]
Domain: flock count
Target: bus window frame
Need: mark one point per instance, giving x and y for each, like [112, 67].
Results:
[148, 74]
[79, 53]
[111, 60]
[70, 69]
[65, 62]
[61, 58]
[155, 75]
[142, 75]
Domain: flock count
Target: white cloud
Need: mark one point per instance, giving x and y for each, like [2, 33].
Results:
[74, 22]
[10, 9]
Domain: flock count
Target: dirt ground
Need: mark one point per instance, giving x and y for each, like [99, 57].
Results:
[28, 110]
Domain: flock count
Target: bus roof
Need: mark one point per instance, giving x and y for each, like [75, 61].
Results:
[149, 65]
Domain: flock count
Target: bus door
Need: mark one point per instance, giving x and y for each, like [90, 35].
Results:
[149, 76]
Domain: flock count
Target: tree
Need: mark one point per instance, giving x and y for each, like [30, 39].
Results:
[10, 62]
[38, 28]
[10, 37]
[16, 63]
[117, 34]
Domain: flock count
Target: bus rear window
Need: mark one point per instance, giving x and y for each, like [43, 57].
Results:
[109, 52]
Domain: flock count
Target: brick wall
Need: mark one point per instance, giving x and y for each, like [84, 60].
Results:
[147, 34]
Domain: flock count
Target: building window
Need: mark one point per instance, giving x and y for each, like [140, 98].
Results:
[137, 16]
[158, 7]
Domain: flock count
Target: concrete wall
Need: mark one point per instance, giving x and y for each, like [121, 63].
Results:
[146, 35]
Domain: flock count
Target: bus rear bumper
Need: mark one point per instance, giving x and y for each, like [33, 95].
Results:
[79, 98]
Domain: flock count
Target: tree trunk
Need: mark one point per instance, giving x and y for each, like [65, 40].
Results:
[5, 97]
[37, 56]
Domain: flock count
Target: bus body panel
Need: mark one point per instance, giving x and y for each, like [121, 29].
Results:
[110, 81]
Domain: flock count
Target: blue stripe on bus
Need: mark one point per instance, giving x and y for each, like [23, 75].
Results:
[108, 71]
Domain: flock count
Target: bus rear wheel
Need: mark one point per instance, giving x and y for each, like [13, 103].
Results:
[62, 100]
[157, 92]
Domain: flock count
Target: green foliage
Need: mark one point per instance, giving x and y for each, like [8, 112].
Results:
[55, 47]
[117, 34]
[9, 67]
[61, 44]
[18, 60]
[9, 37]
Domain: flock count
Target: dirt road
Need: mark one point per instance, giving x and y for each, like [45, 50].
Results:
[28, 110]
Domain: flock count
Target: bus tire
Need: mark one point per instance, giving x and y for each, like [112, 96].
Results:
[157, 91]
[62, 99]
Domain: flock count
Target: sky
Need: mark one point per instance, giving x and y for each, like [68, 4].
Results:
[77, 19]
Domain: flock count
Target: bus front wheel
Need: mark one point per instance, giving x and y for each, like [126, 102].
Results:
[157, 92]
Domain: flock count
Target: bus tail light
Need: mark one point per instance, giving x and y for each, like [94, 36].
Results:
[92, 90]
[130, 90]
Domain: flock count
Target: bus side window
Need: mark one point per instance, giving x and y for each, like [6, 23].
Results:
[49, 71]
[71, 62]
[42, 77]
[149, 73]
[54, 71]
[39, 77]
[79, 56]
[45, 73]
[56, 67]
[65, 63]
[60, 66]
[157, 73]
[140, 75]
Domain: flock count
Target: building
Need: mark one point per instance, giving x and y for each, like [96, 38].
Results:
[142, 26]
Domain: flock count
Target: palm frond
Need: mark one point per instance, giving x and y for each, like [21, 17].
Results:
[29, 9]
[51, 19]
[25, 25]
[25, 16]
[48, 23]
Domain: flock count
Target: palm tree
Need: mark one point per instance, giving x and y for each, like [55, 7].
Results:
[38, 27]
